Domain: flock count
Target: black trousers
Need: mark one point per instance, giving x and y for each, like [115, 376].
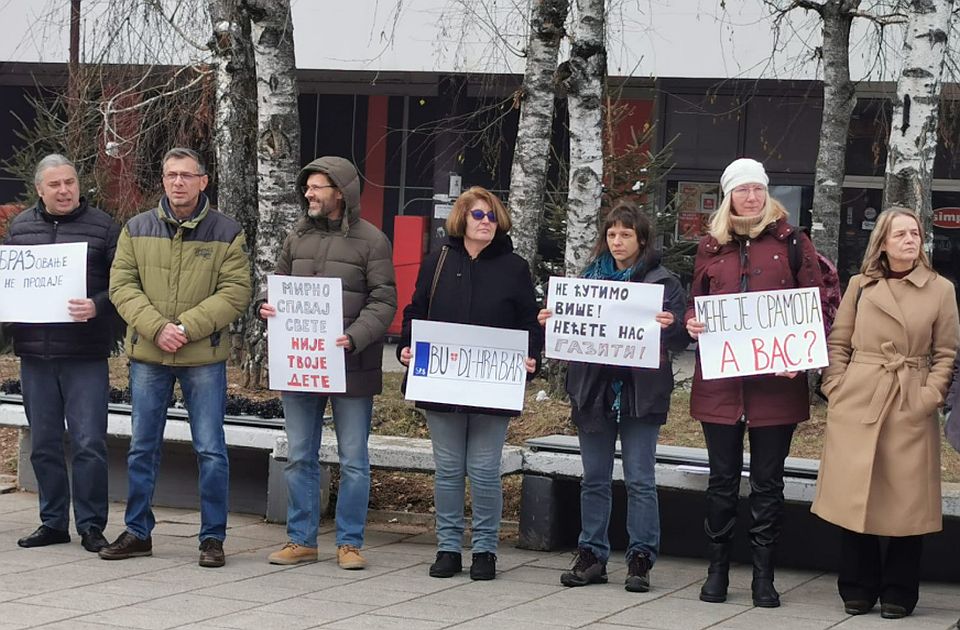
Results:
[769, 447]
[868, 571]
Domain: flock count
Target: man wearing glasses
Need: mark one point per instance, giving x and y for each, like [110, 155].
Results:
[332, 241]
[180, 278]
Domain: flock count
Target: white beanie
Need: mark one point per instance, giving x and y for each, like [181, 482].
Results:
[742, 171]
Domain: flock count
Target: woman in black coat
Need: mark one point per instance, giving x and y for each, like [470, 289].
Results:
[607, 401]
[474, 279]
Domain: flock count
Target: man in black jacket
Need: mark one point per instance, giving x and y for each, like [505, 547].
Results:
[63, 366]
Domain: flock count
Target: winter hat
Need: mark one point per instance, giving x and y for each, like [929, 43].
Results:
[742, 171]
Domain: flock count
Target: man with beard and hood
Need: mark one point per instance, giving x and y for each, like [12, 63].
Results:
[332, 241]
[63, 366]
[181, 276]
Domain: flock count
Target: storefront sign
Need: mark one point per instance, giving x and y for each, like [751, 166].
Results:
[947, 218]
[761, 332]
[695, 202]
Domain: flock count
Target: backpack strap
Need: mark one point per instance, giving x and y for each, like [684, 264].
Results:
[436, 277]
[793, 253]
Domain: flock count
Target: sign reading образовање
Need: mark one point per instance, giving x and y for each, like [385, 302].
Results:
[302, 336]
[37, 281]
[463, 364]
[601, 321]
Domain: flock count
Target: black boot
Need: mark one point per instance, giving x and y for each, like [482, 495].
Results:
[714, 589]
[764, 594]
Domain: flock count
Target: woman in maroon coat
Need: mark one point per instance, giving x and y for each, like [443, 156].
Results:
[746, 250]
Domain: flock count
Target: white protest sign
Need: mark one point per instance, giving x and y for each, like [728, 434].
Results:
[761, 332]
[37, 281]
[600, 321]
[303, 355]
[462, 364]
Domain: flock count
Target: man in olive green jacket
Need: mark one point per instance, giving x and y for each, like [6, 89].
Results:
[180, 277]
[332, 241]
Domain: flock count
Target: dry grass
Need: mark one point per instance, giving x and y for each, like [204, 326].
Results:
[413, 492]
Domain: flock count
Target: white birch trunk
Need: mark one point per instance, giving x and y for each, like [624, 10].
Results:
[839, 100]
[278, 142]
[588, 66]
[235, 119]
[916, 110]
[531, 157]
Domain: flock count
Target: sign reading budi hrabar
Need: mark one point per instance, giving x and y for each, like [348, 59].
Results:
[302, 336]
[762, 332]
[462, 364]
[37, 281]
[601, 321]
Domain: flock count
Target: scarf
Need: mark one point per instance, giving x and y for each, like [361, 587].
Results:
[604, 267]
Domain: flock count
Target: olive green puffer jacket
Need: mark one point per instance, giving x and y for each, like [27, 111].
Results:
[194, 273]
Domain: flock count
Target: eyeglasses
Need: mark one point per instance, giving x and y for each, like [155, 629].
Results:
[314, 188]
[479, 214]
[745, 191]
[186, 177]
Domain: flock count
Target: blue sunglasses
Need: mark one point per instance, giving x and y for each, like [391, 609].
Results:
[479, 214]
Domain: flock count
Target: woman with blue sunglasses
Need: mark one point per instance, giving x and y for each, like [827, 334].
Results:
[607, 401]
[475, 278]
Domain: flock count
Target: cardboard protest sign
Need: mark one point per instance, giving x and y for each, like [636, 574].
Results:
[462, 364]
[36, 281]
[600, 321]
[761, 332]
[301, 338]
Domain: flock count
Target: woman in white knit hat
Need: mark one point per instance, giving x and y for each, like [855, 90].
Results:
[746, 250]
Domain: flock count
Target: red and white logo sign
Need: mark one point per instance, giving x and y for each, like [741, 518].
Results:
[947, 218]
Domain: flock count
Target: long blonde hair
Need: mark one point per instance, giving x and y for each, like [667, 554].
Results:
[875, 263]
[721, 227]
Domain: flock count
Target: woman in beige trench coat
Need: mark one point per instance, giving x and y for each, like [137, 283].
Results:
[891, 350]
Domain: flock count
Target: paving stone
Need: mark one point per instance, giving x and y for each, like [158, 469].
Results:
[378, 622]
[672, 613]
[18, 615]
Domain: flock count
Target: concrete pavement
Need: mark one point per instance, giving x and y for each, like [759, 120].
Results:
[65, 587]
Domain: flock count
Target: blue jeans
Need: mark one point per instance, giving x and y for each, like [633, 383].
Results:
[77, 390]
[204, 393]
[467, 445]
[638, 444]
[303, 415]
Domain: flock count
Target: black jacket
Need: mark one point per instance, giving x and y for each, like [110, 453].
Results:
[646, 391]
[494, 289]
[93, 339]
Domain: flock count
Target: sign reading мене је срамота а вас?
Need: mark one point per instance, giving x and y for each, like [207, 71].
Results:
[761, 332]
[463, 364]
[37, 281]
[303, 355]
[602, 321]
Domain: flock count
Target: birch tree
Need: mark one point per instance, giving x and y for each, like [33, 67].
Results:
[278, 153]
[839, 100]
[531, 158]
[234, 126]
[584, 86]
[916, 110]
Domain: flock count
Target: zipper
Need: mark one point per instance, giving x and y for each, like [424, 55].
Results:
[744, 277]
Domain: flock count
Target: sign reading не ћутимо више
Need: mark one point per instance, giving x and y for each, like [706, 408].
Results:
[301, 338]
[37, 281]
[462, 364]
[761, 332]
[601, 321]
